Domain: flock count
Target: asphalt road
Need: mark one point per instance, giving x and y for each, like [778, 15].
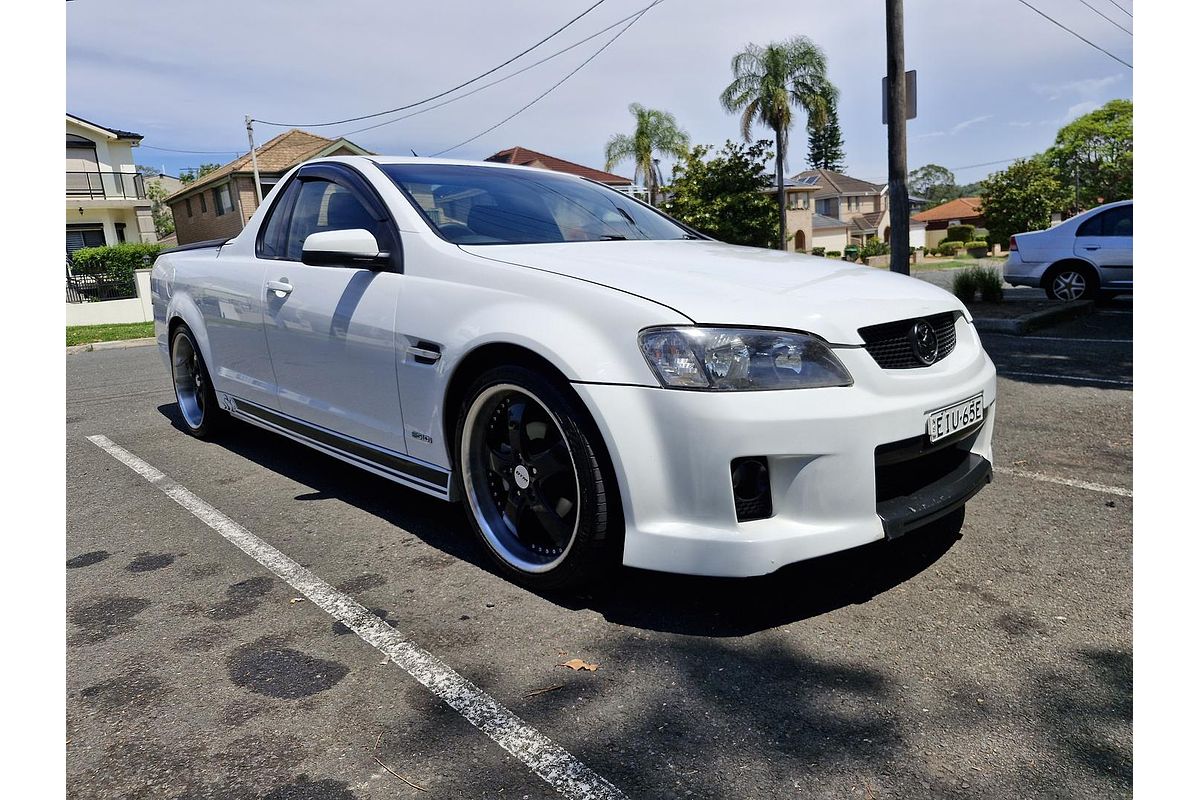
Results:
[991, 660]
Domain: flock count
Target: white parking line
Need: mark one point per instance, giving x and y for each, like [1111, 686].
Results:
[1063, 339]
[1079, 378]
[551, 763]
[1075, 484]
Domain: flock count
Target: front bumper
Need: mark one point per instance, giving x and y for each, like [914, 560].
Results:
[672, 450]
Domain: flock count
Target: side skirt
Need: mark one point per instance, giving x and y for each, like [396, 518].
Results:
[419, 475]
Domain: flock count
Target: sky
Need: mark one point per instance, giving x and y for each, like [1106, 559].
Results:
[995, 81]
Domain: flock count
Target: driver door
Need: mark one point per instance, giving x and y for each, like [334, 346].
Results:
[330, 328]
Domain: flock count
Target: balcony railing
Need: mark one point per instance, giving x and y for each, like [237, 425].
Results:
[106, 185]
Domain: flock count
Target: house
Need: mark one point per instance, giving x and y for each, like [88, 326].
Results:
[106, 197]
[799, 201]
[220, 203]
[959, 211]
[525, 157]
[860, 204]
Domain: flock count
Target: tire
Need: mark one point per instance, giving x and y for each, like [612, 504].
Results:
[198, 408]
[1071, 282]
[555, 530]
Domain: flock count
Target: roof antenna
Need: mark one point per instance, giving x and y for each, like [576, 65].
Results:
[414, 152]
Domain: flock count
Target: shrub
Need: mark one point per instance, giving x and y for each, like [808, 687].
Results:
[949, 248]
[977, 248]
[960, 233]
[117, 260]
[818, 251]
[833, 253]
[991, 286]
[966, 284]
[873, 247]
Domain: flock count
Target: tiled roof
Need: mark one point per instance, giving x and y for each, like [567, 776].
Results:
[861, 224]
[872, 218]
[523, 156]
[277, 155]
[822, 221]
[958, 208]
[120, 134]
[835, 184]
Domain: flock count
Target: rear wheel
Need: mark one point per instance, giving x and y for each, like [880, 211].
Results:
[202, 416]
[530, 470]
[1070, 282]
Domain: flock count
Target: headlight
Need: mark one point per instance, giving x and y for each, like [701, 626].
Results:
[740, 359]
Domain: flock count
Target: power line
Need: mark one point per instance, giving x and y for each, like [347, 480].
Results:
[191, 152]
[1107, 17]
[586, 61]
[506, 77]
[1126, 13]
[440, 94]
[1076, 35]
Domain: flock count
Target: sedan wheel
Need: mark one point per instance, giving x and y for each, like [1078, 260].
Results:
[1067, 284]
[536, 494]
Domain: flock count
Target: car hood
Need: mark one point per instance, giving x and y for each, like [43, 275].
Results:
[720, 284]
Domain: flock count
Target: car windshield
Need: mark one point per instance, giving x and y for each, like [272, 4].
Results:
[495, 205]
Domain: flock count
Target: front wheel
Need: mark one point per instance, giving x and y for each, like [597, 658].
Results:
[202, 417]
[534, 477]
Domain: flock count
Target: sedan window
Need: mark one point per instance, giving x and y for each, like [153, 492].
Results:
[494, 205]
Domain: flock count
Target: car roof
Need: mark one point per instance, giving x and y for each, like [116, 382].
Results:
[460, 162]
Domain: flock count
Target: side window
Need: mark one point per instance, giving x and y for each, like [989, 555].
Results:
[1119, 222]
[272, 238]
[322, 205]
[1094, 226]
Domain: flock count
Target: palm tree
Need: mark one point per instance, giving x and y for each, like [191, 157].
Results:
[767, 82]
[656, 132]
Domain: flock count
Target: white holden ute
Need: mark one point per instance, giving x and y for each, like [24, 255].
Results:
[596, 382]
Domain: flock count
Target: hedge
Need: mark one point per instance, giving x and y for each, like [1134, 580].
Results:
[117, 260]
[960, 233]
[949, 248]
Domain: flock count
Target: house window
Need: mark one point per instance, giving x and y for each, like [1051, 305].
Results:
[203, 205]
[120, 226]
[81, 236]
[188, 205]
[222, 202]
[853, 203]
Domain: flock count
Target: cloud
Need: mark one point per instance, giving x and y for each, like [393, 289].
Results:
[1086, 87]
[1079, 109]
[966, 123]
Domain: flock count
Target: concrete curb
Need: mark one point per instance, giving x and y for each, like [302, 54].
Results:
[123, 344]
[1019, 326]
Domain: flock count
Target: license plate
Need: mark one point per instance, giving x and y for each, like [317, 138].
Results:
[952, 419]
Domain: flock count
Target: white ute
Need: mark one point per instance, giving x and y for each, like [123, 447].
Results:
[598, 383]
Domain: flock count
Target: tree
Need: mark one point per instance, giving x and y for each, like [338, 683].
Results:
[1099, 148]
[147, 171]
[164, 220]
[189, 175]
[725, 196]
[655, 132]
[825, 145]
[933, 182]
[1021, 198]
[767, 82]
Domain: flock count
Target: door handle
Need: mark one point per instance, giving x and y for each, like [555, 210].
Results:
[281, 287]
[1091, 247]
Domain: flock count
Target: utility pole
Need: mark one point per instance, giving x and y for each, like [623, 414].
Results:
[897, 136]
[254, 158]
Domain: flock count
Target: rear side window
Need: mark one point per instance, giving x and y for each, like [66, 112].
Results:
[326, 206]
[1114, 222]
[271, 242]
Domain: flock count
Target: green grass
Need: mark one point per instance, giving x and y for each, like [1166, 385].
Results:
[90, 334]
[953, 263]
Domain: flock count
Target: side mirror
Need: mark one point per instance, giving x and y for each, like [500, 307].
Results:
[349, 248]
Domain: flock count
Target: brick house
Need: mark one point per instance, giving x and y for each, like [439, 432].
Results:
[221, 203]
[525, 157]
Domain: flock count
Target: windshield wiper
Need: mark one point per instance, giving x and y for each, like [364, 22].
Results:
[613, 237]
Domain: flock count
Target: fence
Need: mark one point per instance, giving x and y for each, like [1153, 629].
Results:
[94, 288]
[93, 185]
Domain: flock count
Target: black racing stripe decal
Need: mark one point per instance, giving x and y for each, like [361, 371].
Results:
[393, 462]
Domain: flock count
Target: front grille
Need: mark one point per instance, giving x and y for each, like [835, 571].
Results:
[889, 344]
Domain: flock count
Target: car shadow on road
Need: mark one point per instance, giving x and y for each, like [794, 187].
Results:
[637, 598]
